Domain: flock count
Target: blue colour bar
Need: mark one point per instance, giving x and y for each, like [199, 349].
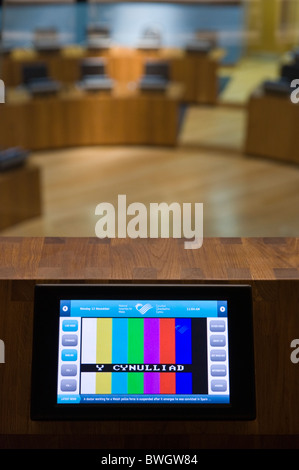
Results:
[183, 342]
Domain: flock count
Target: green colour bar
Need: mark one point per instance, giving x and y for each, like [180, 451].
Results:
[135, 341]
[135, 354]
[135, 383]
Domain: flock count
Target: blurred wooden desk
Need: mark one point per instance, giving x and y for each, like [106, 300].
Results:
[272, 127]
[124, 117]
[20, 195]
[271, 266]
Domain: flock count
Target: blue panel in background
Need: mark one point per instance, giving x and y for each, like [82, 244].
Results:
[20, 21]
[127, 22]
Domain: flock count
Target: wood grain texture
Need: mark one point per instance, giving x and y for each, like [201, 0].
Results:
[271, 266]
[246, 259]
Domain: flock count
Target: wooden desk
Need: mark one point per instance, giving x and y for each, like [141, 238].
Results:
[123, 117]
[271, 266]
[20, 195]
[272, 127]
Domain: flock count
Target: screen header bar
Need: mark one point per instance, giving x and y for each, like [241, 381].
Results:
[143, 308]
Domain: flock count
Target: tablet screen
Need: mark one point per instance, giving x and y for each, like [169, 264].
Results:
[143, 351]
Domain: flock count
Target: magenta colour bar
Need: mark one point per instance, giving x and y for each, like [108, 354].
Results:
[151, 354]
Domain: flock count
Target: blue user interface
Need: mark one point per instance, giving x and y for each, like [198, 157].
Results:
[143, 351]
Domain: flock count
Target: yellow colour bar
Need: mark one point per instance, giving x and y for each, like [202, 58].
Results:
[103, 383]
[104, 354]
[104, 341]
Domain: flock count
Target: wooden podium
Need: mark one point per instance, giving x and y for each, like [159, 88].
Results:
[272, 129]
[270, 266]
[20, 195]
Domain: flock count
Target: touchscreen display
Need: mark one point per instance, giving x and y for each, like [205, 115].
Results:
[143, 352]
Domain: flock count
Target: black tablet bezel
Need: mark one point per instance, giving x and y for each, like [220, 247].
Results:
[45, 353]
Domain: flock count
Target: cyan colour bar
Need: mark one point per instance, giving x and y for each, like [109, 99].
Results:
[119, 383]
[120, 340]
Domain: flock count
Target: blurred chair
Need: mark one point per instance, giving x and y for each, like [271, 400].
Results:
[94, 75]
[295, 54]
[199, 45]
[290, 71]
[46, 40]
[12, 157]
[202, 42]
[98, 37]
[212, 37]
[156, 76]
[37, 81]
[277, 87]
[150, 39]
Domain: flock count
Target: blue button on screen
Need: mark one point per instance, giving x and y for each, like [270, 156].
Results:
[69, 355]
[70, 325]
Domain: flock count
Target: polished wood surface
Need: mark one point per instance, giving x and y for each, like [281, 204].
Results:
[270, 265]
[242, 195]
[20, 195]
[272, 130]
[219, 259]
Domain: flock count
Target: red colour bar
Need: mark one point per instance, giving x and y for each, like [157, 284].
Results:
[167, 354]
[168, 383]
